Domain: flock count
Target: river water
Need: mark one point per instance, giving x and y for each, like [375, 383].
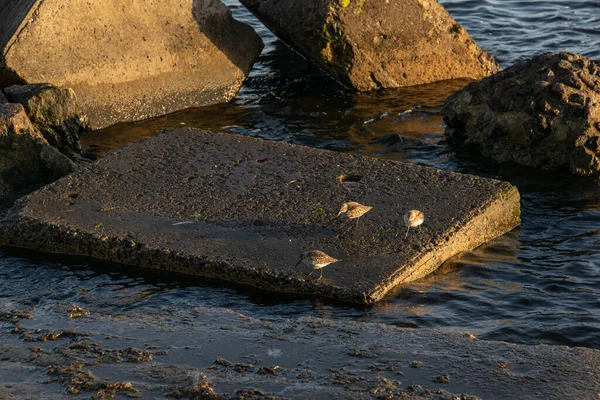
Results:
[537, 284]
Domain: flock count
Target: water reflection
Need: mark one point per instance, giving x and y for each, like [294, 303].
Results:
[320, 118]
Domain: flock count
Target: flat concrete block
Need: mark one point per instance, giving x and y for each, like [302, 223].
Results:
[243, 209]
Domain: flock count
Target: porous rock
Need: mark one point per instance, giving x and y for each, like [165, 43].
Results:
[243, 209]
[130, 62]
[542, 113]
[368, 44]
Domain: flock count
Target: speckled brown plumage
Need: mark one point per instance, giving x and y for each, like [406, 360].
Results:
[354, 210]
[412, 219]
[316, 259]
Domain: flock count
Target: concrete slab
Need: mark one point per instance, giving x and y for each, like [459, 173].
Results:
[243, 209]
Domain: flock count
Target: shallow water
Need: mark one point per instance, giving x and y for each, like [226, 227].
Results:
[537, 284]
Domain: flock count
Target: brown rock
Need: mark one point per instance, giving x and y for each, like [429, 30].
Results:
[377, 44]
[52, 110]
[543, 113]
[130, 62]
[202, 205]
[25, 156]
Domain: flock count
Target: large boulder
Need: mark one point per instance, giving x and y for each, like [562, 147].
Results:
[131, 60]
[53, 110]
[543, 113]
[26, 158]
[377, 44]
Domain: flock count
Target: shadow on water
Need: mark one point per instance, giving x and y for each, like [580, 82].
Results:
[111, 287]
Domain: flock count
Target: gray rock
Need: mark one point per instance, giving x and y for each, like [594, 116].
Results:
[377, 44]
[26, 157]
[129, 62]
[56, 162]
[243, 209]
[52, 110]
[543, 113]
[3, 98]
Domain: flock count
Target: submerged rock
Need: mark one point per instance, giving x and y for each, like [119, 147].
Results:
[130, 62]
[53, 110]
[543, 113]
[243, 209]
[26, 157]
[377, 44]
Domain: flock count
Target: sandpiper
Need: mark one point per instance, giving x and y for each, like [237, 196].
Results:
[316, 259]
[354, 210]
[412, 219]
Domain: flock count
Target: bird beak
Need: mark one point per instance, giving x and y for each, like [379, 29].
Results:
[338, 214]
[298, 263]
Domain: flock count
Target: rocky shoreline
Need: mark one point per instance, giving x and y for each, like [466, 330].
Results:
[216, 353]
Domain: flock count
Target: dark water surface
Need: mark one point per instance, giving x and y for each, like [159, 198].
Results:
[537, 284]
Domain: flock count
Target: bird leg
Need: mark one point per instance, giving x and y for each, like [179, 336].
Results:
[405, 236]
[344, 232]
[320, 276]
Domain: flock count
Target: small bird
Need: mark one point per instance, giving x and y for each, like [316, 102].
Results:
[316, 259]
[412, 219]
[354, 210]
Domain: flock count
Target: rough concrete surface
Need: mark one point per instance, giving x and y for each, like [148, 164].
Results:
[377, 44]
[243, 209]
[213, 353]
[127, 60]
[543, 113]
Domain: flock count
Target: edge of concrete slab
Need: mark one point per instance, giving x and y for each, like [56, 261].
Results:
[503, 213]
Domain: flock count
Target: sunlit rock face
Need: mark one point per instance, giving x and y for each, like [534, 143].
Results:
[368, 44]
[129, 60]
